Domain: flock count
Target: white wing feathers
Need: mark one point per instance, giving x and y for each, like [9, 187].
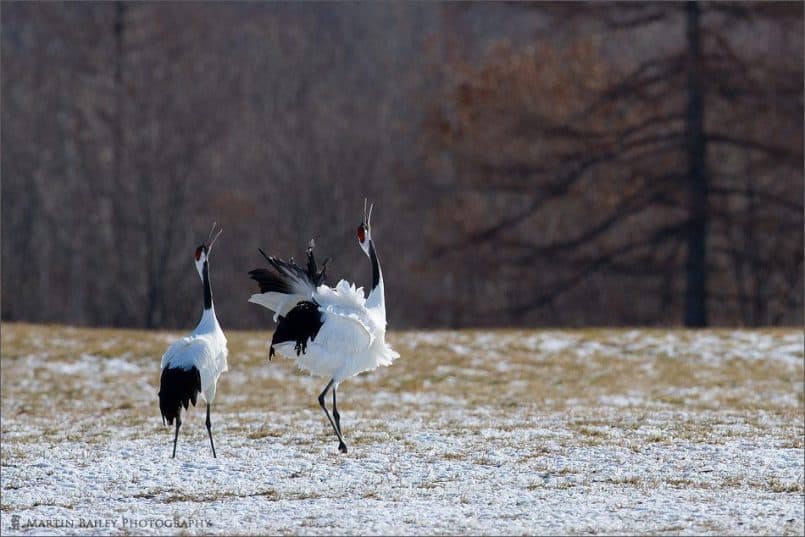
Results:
[279, 303]
[185, 352]
[345, 303]
[202, 351]
[347, 341]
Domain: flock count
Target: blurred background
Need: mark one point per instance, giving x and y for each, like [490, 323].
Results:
[540, 164]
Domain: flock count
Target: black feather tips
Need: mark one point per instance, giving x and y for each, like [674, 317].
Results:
[301, 324]
[280, 279]
[178, 388]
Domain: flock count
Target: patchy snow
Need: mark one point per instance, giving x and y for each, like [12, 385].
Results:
[439, 481]
[473, 432]
[624, 400]
[712, 347]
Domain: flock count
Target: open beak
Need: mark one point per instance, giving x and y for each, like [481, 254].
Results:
[367, 217]
[213, 236]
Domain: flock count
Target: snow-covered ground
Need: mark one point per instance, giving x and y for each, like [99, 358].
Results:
[482, 432]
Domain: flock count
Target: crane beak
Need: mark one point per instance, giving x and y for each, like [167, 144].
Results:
[213, 237]
[367, 216]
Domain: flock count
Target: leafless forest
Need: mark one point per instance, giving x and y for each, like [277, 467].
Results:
[531, 164]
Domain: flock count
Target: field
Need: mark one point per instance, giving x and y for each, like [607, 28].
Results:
[482, 432]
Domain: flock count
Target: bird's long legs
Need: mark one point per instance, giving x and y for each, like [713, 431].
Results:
[176, 436]
[336, 415]
[209, 430]
[342, 447]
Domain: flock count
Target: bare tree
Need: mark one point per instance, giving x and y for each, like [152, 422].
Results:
[579, 161]
[536, 130]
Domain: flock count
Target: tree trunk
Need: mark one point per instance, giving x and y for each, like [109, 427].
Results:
[696, 264]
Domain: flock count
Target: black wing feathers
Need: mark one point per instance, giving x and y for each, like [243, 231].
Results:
[178, 388]
[281, 281]
[268, 280]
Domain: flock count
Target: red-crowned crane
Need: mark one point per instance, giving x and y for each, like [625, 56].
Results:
[334, 333]
[193, 364]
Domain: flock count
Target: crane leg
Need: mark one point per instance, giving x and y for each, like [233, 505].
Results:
[176, 436]
[342, 447]
[336, 415]
[209, 431]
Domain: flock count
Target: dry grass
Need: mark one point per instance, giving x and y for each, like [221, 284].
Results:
[436, 370]
[600, 391]
[544, 381]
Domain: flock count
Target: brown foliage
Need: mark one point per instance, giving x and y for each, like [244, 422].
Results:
[529, 163]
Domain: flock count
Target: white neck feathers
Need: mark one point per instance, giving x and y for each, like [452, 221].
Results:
[208, 322]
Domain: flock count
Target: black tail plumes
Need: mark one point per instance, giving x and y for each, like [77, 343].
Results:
[178, 388]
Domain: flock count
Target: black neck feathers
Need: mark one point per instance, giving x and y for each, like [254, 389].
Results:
[375, 265]
[205, 276]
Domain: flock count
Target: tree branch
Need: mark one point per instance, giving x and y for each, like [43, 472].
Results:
[766, 196]
[780, 152]
[594, 265]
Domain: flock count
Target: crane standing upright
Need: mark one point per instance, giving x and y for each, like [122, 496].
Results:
[193, 364]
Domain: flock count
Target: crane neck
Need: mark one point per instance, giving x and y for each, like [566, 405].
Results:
[377, 276]
[376, 299]
[205, 278]
[208, 322]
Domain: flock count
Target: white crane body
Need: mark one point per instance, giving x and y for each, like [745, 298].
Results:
[332, 332]
[205, 350]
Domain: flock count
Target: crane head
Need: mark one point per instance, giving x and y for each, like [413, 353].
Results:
[203, 251]
[201, 258]
[364, 230]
